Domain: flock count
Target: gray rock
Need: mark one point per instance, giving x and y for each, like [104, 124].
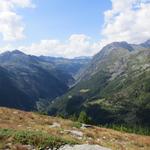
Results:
[84, 147]
[84, 126]
[75, 133]
[55, 125]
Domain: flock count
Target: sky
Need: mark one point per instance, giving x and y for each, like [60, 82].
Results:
[71, 28]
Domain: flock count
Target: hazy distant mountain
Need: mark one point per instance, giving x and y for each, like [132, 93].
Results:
[71, 66]
[29, 79]
[146, 44]
[114, 88]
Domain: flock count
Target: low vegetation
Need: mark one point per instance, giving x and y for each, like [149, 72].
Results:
[40, 131]
[38, 139]
[130, 129]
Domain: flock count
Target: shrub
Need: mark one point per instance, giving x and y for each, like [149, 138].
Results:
[77, 125]
[83, 118]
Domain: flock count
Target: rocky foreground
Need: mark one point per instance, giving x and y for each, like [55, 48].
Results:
[84, 147]
[66, 147]
[21, 130]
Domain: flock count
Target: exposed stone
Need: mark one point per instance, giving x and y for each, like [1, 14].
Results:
[23, 147]
[55, 125]
[83, 147]
[15, 112]
[75, 133]
[84, 126]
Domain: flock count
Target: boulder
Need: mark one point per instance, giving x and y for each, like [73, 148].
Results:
[84, 147]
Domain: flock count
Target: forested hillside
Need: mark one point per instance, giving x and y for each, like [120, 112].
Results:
[115, 88]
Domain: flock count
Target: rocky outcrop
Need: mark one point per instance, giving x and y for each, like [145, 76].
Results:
[84, 147]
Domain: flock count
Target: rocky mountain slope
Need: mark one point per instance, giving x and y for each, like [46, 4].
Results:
[21, 130]
[26, 80]
[114, 88]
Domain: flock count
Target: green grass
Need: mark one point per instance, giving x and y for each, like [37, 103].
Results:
[77, 125]
[37, 139]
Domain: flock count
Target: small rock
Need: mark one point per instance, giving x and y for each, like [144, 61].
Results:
[55, 125]
[19, 125]
[98, 140]
[15, 112]
[84, 126]
[75, 133]
[90, 139]
[9, 144]
[23, 147]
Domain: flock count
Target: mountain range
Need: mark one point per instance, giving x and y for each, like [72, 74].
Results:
[111, 87]
[25, 80]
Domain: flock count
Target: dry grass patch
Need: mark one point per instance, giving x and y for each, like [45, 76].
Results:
[29, 121]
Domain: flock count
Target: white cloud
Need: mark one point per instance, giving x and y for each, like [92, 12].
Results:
[11, 26]
[76, 45]
[128, 20]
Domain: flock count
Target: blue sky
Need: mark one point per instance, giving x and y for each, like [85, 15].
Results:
[61, 18]
[71, 28]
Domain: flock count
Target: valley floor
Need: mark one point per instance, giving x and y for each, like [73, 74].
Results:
[16, 125]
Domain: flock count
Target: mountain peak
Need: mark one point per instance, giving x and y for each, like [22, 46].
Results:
[118, 43]
[122, 44]
[148, 41]
[146, 44]
[17, 52]
[110, 47]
